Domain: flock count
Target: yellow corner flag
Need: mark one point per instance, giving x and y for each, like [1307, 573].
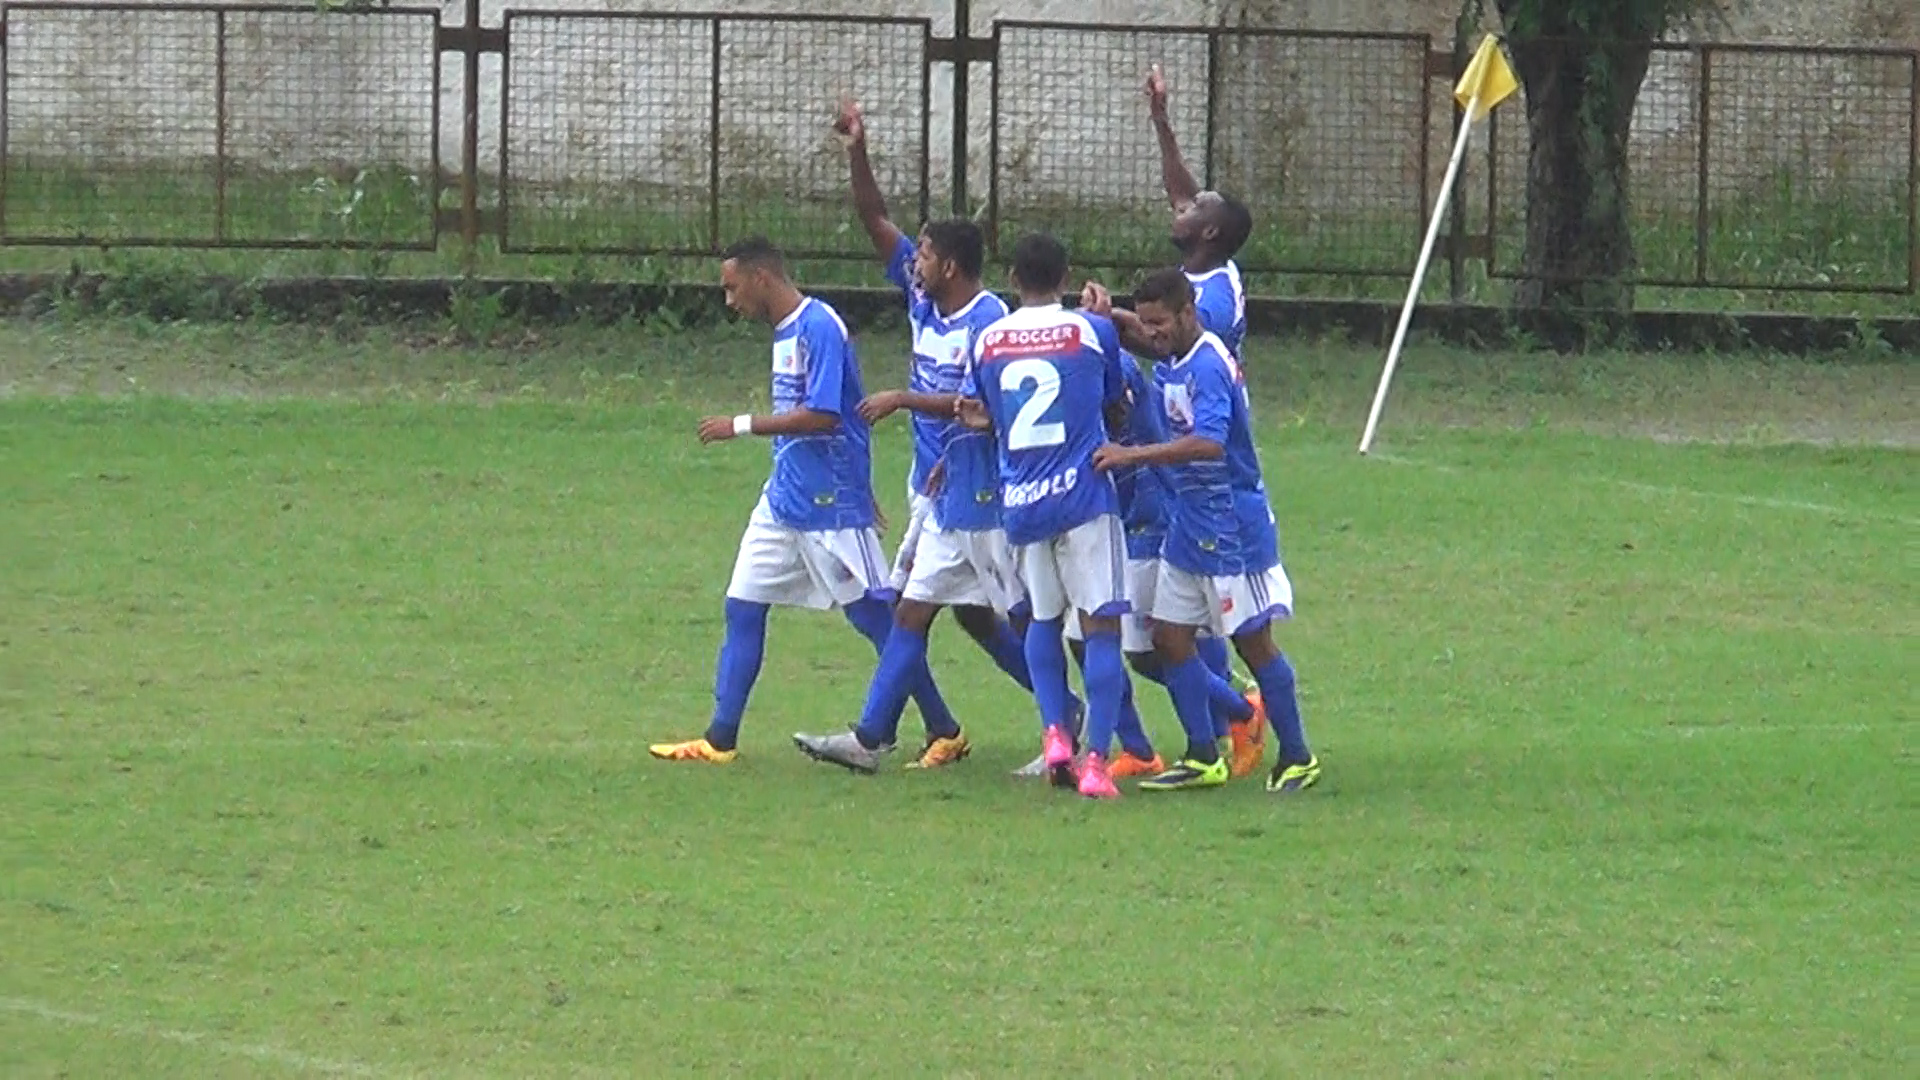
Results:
[1487, 78]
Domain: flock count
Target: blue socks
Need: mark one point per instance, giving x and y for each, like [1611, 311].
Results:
[1009, 652]
[741, 651]
[1130, 731]
[1228, 704]
[874, 619]
[1187, 683]
[901, 660]
[1283, 710]
[1213, 653]
[1047, 663]
[1106, 677]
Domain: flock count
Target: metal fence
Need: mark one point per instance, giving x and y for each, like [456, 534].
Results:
[273, 126]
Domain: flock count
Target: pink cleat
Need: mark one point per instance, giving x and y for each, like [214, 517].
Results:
[1057, 752]
[1096, 782]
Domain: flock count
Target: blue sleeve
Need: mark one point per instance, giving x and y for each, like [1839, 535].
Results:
[1116, 378]
[1215, 303]
[1212, 400]
[900, 265]
[827, 355]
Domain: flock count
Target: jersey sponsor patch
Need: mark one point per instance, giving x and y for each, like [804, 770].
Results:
[1037, 341]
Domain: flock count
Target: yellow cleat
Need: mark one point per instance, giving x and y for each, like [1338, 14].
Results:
[692, 750]
[941, 752]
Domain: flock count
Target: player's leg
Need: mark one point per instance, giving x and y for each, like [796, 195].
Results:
[873, 617]
[997, 638]
[1094, 569]
[902, 660]
[1182, 604]
[767, 570]
[1239, 714]
[1047, 655]
[1268, 597]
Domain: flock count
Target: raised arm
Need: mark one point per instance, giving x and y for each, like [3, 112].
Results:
[1096, 298]
[867, 201]
[1174, 174]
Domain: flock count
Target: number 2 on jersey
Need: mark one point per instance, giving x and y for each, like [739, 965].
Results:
[1026, 431]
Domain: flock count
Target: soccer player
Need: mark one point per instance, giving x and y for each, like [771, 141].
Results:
[1220, 566]
[1209, 229]
[1047, 382]
[810, 542]
[955, 554]
[1143, 510]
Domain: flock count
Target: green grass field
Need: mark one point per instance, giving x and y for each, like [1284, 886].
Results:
[327, 666]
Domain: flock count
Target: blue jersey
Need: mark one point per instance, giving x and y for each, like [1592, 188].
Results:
[1220, 523]
[1222, 301]
[942, 354]
[819, 482]
[1143, 488]
[1047, 375]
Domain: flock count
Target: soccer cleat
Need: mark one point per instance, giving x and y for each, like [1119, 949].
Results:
[940, 752]
[1057, 753]
[692, 750]
[1187, 773]
[1095, 781]
[1243, 682]
[1286, 779]
[1127, 765]
[842, 749]
[1249, 739]
[1038, 766]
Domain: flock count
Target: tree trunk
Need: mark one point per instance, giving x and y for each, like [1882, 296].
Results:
[1580, 99]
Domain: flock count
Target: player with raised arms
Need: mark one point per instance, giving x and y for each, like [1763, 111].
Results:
[1220, 566]
[810, 542]
[1209, 229]
[955, 553]
[1047, 382]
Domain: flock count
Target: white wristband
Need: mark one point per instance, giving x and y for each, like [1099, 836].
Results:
[743, 424]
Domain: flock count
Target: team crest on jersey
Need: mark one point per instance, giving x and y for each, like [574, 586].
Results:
[1179, 404]
[1034, 341]
[790, 357]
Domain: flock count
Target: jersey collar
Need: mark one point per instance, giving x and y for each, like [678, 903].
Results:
[794, 315]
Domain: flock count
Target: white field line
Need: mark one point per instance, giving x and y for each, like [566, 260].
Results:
[272, 1055]
[1756, 501]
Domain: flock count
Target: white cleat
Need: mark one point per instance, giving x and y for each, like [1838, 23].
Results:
[843, 749]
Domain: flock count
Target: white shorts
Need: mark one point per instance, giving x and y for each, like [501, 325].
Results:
[1136, 627]
[786, 567]
[958, 568]
[1083, 569]
[1225, 605]
[919, 508]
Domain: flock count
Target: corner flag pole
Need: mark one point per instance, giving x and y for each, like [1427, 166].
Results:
[1487, 82]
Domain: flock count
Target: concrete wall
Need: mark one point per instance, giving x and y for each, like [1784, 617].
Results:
[1328, 126]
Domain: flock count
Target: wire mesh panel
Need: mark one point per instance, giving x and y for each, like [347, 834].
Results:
[1752, 167]
[199, 124]
[1663, 170]
[677, 134]
[1809, 168]
[606, 136]
[1323, 136]
[111, 125]
[330, 121]
[782, 173]
[1074, 152]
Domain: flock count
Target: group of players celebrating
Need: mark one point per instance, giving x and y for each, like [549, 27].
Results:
[1084, 480]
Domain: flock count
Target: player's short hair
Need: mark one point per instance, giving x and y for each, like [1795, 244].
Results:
[1235, 223]
[756, 253]
[1169, 287]
[1040, 263]
[961, 241]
